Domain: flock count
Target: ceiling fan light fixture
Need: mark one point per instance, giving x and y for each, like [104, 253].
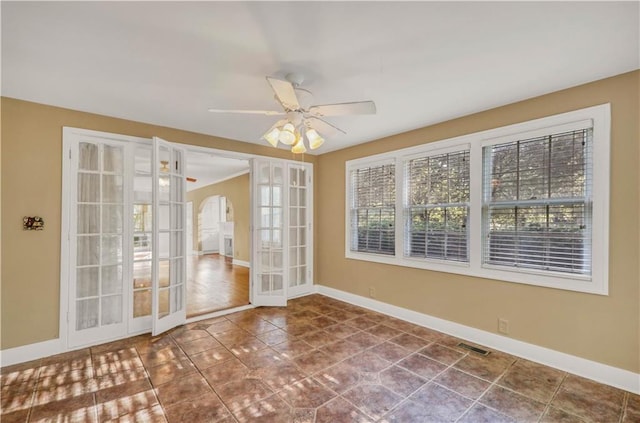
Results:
[299, 147]
[315, 140]
[298, 111]
[272, 136]
[287, 134]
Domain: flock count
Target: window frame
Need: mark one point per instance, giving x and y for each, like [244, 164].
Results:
[459, 148]
[585, 199]
[350, 208]
[596, 283]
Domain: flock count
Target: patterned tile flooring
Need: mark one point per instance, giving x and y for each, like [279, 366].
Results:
[318, 360]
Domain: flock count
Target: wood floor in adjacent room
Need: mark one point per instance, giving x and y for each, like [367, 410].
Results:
[317, 360]
[214, 283]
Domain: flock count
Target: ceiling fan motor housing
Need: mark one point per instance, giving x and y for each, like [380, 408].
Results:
[295, 78]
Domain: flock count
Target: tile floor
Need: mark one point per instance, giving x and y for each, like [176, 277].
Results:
[318, 360]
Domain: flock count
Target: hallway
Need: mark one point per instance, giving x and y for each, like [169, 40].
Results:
[213, 284]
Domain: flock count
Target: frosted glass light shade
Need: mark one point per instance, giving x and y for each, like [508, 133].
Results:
[287, 134]
[272, 136]
[315, 140]
[299, 147]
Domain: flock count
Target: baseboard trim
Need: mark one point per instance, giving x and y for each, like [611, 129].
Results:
[242, 263]
[599, 372]
[30, 352]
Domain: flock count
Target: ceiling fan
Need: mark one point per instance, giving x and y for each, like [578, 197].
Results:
[301, 116]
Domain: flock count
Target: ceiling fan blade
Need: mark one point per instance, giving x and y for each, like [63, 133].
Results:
[285, 93]
[324, 127]
[354, 108]
[248, 112]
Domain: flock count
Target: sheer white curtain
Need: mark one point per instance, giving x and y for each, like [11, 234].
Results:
[100, 221]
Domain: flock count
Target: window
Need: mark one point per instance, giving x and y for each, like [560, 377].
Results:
[525, 203]
[373, 210]
[537, 212]
[437, 205]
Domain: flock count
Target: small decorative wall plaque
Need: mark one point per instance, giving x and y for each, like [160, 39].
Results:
[32, 223]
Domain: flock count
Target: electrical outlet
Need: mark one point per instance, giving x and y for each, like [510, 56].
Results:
[372, 292]
[503, 325]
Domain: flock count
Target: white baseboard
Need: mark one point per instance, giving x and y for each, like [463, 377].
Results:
[242, 263]
[599, 372]
[30, 352]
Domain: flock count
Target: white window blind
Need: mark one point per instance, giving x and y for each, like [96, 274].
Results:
[373, 198]
[537, 205]
[437, 207]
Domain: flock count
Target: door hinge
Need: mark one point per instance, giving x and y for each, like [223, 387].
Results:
[69, 153]
[67, 317]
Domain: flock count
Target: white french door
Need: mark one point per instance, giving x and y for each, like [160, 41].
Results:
[140, 275]
[269, 288]
[124, 254]
[299, 218]
[281, 264]
[169, 237]
[97, 253]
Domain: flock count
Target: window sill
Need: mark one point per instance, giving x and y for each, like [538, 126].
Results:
[555, 280]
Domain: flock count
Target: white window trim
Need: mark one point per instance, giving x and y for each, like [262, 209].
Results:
[596, 283]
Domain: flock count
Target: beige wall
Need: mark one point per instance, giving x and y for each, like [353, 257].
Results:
[237, 192]
[601, 328]
[32, 185]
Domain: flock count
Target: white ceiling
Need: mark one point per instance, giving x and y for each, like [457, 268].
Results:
[209, 168]
[166, 63]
